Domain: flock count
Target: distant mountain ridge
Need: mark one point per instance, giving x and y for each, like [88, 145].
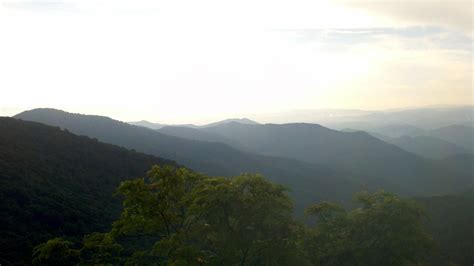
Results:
[308, 182]
[460, 135]
[151, 125]
[365, 160]
[244, 121]
[357, 152]
[200, 135]
[144, 123]
[428, 117]
[426, 146]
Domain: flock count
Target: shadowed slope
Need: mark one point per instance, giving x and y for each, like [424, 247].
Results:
[54, 183]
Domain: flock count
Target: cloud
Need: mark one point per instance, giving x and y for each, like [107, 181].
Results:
[412, 38]
[455, 15]
[40, 5]
[100, 7]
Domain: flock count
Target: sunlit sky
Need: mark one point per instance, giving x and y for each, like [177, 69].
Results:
[200, 61]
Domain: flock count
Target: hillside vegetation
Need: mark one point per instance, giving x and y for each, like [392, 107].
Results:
[54, 183]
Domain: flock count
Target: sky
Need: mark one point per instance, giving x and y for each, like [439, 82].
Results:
[201, 61]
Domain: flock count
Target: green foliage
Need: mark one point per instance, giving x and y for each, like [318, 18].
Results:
[386, 230]
[201, 220]
[54, 183]
[100, 248]
[56, 251]
[325, 211]
[175, 216]
[389, 231]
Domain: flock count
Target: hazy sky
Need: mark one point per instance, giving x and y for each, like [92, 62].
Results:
[198, 61]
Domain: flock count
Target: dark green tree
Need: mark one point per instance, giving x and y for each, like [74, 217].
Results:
[56, 251]
[175, 216]
[247, 221]
[386, 230]
[100, 248]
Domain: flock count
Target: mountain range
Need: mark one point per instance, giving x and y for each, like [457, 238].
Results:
[460, 135]
[144, 123]
[308, 182]
[430, 117]
[314, 157]
[426, 146]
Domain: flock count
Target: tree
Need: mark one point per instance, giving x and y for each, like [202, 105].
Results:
[389, 231]
[247, 220]
[56, 251]
[155, 218]
[386, 230]
[99, 248]
[176, 216]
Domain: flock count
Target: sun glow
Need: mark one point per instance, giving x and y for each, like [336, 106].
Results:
[163, 62]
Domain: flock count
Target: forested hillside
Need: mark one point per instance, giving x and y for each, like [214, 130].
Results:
[450, 222]
[308, 182]
[54, 183]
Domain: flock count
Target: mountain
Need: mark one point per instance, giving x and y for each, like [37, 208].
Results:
[425, 146]
[244, 121]
[422, 117]
[399, 130]
[54, 183]
[459, 135]
[147, 124]
[200, 135]
[370, 159]
[144, 123]
[308, 182]
[357, 152]
[151, 125]
[463, 136]
[459, 165]
[426, 118]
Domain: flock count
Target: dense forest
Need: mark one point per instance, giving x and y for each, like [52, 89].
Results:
[55, 183]
[450, 221]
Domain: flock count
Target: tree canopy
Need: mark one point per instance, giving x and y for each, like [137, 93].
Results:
[385, 230]
[174, 216]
